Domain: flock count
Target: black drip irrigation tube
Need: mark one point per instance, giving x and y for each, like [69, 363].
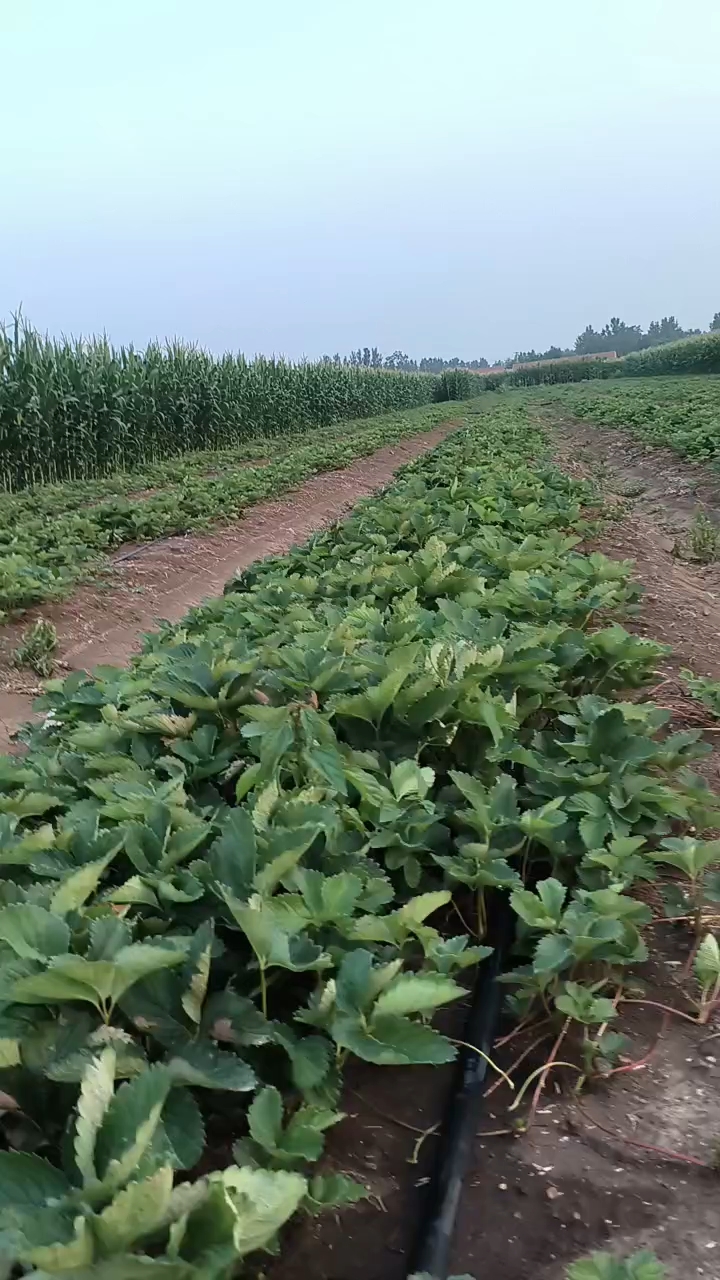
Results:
[431, 1253]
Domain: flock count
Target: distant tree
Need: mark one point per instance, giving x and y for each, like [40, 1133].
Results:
[715, 325]
[587, 342]
[669, 330]
[399, 360]
[375, 359]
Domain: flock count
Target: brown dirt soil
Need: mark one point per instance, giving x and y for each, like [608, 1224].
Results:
[657, 497]
[534, 1202]
[104, 621]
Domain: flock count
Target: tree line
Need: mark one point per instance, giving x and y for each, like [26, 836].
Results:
[616, 335]
[372, 358]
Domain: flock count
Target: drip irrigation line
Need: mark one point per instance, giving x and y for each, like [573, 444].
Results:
[432, 1246]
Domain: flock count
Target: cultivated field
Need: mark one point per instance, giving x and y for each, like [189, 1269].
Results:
[255, 859]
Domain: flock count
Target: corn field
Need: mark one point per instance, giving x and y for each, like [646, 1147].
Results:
[85, 409]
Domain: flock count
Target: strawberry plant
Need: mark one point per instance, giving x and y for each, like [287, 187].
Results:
[229, 868]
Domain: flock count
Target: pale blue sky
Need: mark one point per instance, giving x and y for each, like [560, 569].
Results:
[302, 176]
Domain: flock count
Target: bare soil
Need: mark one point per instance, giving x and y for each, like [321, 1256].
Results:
[534, 1202]
[104, 621]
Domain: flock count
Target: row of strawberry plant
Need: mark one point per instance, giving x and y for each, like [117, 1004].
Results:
[681, 413]
[226, 869]
[49, 536]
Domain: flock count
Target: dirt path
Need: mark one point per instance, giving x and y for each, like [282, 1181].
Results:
[103, 622]
[658, 495]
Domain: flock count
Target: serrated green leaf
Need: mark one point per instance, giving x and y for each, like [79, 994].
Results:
[70, 977]
[332, 1191]
[408, 779]
[129, 1125]
[180, 1137]
[206, 1067]
[32, 932]
[28, 1183]
[265, 1117]
[417, 909]
[133, 891]
[137, 1211]
[233, 856]
[552, 953]
[603, 1266]
[234, 1019]
[416, 993]
[391, 1041]
[303, 1138]
[537, 911]
[107, 935]
[76, 889]
[198, 963]
[132, 1266]
[244, 1208]
[96, 1093]
[707, 961]
[66, 1256]
[310, 1057]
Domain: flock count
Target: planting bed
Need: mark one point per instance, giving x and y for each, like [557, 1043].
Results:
[242, 878]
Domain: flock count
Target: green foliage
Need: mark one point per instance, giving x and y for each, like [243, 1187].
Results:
[699, 354]
[117, 1191]
[48, 535]
[603, 1266]
[228, 868]
[703, 540]
[705, 690]
[82, 409]
[37, 647]
[680, 412]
